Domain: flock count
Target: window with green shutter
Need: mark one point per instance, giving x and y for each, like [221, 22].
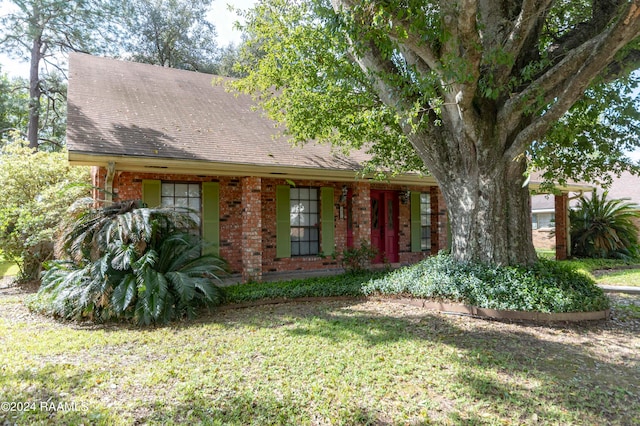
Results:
[304, 221]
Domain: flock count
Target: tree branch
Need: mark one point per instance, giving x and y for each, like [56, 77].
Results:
[592, 58]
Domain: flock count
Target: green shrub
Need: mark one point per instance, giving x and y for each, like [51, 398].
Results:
[132, 263]
[602, 228]
[357, 259]
[547, 286]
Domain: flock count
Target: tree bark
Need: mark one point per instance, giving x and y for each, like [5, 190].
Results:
[35, 92]
[490, 214]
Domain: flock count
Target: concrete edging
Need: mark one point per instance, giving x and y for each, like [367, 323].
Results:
[443, 307]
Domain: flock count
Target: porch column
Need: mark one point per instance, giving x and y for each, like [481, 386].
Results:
[251, 229]
[361, 211]
[439, 223]
[562, 226]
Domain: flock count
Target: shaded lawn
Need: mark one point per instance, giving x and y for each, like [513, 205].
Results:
[348, 362]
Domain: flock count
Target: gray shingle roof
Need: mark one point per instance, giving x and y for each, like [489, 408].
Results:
[118, 108]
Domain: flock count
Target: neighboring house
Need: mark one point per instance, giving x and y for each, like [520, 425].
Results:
[172, 138]
[543, 215]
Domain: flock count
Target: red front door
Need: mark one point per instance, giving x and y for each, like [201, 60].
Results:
[384, 225]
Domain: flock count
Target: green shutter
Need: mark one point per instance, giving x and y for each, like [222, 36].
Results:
[416, 223]
[211, 216]
[326, 220]
[151, 193]
[283, 221]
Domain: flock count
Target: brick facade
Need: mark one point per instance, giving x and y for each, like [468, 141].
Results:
[562, 237]
[248, 219]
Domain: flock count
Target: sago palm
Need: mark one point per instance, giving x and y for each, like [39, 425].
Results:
[130, 262]
[602, 227]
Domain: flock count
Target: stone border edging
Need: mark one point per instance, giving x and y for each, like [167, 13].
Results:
[443, 307]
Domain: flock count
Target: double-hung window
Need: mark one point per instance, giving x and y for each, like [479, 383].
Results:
[304, 213]
[425, 221]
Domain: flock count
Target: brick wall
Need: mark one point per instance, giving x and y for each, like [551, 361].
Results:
[248, 219]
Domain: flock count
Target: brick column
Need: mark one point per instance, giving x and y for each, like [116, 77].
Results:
[251, 229]
[361, 213]
[439, 221]
[562, 226]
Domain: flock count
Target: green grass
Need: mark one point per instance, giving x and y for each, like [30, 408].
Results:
[8, 268]
[622, 277]
[348, 362]
[609, 271]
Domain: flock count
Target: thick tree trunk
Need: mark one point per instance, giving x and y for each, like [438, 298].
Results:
[35, 93]
[490, 214]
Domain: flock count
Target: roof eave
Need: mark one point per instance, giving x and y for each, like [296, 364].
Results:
[130, 163]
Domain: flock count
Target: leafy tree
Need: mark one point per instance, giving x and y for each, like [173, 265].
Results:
[38, 30]
[604, 228]
[14, 102]
[37, 189]
[170, 33]
[130, 262]
[465, 90]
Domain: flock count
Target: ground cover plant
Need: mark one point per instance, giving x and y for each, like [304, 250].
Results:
[547, 286]
[341, 362]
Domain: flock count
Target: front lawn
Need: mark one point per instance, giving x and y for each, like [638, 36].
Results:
[342, 362]
[610, 271]
[7, 268]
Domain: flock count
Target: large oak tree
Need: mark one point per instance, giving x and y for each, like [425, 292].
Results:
[470, 90]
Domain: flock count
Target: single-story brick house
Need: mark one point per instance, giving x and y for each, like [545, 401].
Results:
[171, 137]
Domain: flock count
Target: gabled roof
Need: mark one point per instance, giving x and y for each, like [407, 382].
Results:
[130, 113]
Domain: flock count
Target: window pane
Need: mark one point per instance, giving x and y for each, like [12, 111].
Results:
[167, 189]
[194, 203]
[167, 201]
[295, 248]
[313, 193]
[182, 190]
[294, 194]
[313, 206]
[194, 190]
[304, 193]
[304, 248]
[182, 202]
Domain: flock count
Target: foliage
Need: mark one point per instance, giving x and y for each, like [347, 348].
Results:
[604, 228]
[357, 259]
[38, 31]
[37, 189]
[349, 284]
[14, 101]
[133, 263]
[469, 93]
[170, 33]
[547, 286]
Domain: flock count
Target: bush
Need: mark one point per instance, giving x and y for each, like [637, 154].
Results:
[132, 263]
[547, 286]
[602, 228]
[37, 189]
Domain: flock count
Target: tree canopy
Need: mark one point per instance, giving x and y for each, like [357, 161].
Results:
[37, 30]
[474, 92]
[170, 33]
